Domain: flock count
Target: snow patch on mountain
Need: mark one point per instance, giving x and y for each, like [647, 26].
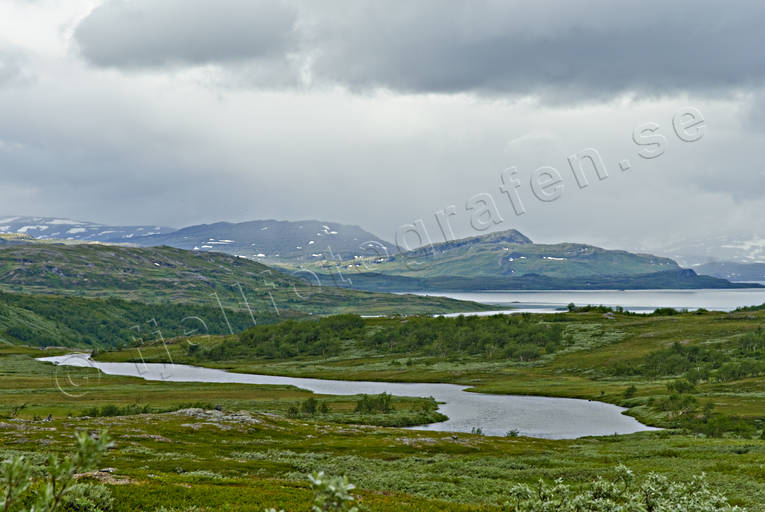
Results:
[68, 229]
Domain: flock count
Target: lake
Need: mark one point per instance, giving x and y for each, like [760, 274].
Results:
[639, 301]
[552, 418]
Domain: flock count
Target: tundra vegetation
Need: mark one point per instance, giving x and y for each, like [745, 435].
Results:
[219, 294]
[701, 371]
[238, 447]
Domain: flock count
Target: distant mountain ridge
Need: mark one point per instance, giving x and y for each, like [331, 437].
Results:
[733, 271]
[510, 260]
[510, 253]
[269, 240]
[680, 279]
[68, 229]
[504, 259]
[265, 240]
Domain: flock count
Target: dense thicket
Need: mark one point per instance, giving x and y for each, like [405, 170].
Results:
[520, 338]
[500, 336]
[745, 357]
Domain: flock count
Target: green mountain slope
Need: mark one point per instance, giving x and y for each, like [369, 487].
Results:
[496, 257]
[165, 275]
[45, 321]
[509, 260]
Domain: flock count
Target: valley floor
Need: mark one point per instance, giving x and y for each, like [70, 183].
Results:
[248, 461]
[175, 450]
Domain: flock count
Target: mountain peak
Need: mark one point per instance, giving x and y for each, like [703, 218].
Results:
[509, 236]
[274, 240]
[512, 236]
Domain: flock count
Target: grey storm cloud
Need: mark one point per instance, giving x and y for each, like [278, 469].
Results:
[579, 48]
[145, 33]
[245, 109]
[561, 50]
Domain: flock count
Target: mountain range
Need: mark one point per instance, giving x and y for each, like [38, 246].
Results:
[733, 271]
[266, 240]
[510, 260]
[273, 240]
[67, 229]
[350, 256]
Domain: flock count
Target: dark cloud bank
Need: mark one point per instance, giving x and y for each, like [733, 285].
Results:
[559, 50]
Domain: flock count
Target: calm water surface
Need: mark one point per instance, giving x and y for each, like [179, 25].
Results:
[553, 418]
[645, 301]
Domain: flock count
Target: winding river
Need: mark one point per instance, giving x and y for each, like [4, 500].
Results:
[534, 416]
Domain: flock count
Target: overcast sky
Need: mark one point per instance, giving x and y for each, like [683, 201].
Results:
[178, 112]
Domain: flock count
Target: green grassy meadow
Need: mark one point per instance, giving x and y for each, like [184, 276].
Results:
[586, 365]
[248, 461]
[174, 450]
